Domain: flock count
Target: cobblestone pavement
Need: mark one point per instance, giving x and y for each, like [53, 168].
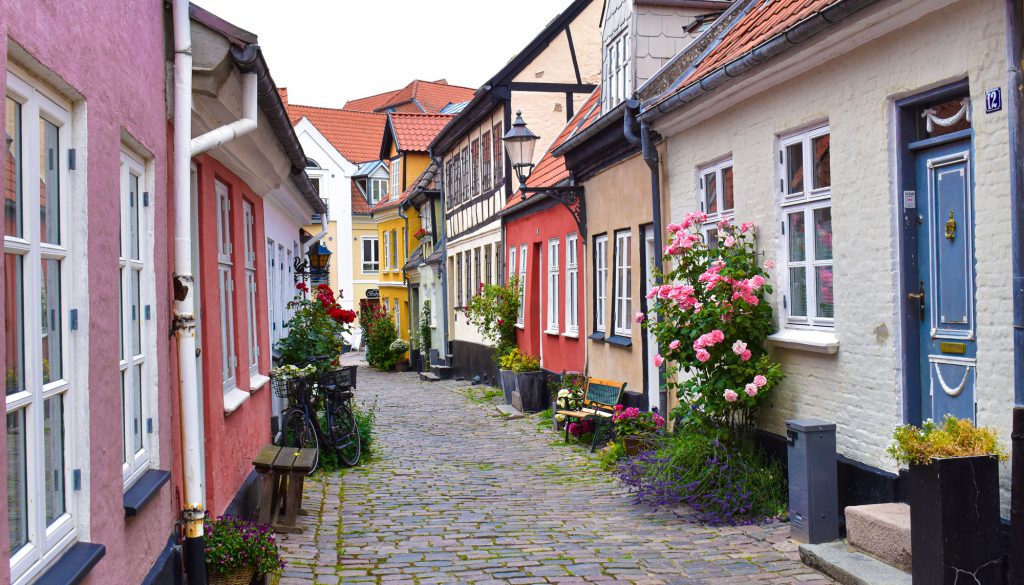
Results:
[458, 494]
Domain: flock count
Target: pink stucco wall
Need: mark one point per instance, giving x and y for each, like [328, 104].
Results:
[111, 52]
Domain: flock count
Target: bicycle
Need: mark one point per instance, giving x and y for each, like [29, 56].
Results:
[342, 430]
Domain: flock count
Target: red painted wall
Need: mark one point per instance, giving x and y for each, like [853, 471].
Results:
[547, 220]
[232, 440]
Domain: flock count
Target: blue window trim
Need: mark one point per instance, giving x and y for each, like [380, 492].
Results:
[619, 340]
[144, 490]
[73, 565]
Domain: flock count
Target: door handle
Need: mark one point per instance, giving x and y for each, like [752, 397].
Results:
[919, 297]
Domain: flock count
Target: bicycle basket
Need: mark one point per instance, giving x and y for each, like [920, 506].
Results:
[288, 387]
[342, 378]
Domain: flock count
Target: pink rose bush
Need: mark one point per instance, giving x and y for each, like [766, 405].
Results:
[711, 322]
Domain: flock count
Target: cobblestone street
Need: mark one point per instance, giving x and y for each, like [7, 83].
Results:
[457, 494]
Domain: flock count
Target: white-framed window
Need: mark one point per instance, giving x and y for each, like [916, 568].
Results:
[715, 191]
[512, 261]
[394, 251]
[376, 190]
[396, 311]
[458, 280]
[617, 80]
[226, 288]
[396, 178]
[137, 355]
[623, 308]
[41, 383]
[387, 250]
[600, 283]
[371, 254]
[272, 293]
[522, 285]
[467, 258]
[553, 253]
[572, 292]
[249, 227]
[806, 205]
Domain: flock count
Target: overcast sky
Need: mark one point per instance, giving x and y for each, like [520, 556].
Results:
[327, 52]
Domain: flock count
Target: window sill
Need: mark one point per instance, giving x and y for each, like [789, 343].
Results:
[257, 382]
[812, 341]
[520, 327]
[554, 332]
[144, 490]
[74, 565]
[596, 336]
[571, 334]
[619, 340]
[233, 399]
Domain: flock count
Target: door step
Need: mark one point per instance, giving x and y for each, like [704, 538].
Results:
[849, 565]
[442, 372]
[881, 530]
[429, 377]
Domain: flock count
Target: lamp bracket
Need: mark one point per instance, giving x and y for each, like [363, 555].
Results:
[569, 196]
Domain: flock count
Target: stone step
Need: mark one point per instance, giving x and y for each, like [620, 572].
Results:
[849, 565]
[429, 377]
[881, 530]
[442, 372]
[509, 411]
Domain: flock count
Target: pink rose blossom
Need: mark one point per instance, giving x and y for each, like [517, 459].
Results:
[673, 228]
[739, 347]
[658, 360]
[729, 241]
[760, 381]
[703, 355]
[639, 317]
[769, 264]
[723, 223]
[746, 227]
[730, 396]
[757, 282]
[653, 292]
[745, 356]
[674, 345]
[751, 390]
[717, 336]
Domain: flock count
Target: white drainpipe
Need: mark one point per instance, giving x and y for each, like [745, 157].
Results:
[323, 232]
[185, 147]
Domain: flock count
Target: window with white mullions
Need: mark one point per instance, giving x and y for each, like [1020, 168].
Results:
[716, 198]
[39, 385]
[371, 254]
[377, 189]
[805, 184]
[226, 288]
[600, 283]
[572, 294]
[623, 307]
[522, 286]
[249, 223]
[617, 80]
[553, 268]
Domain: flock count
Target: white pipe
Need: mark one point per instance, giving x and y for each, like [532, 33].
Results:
[184, 309]
[240, 127]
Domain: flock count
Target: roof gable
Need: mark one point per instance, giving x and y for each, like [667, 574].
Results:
[411, 132]
[356, 135]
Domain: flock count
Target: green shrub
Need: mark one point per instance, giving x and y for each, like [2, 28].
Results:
[610, 455]
[953, 438]
[425, 329]
[380, 335]
[519, 362]
[494, 311]
[316, 328]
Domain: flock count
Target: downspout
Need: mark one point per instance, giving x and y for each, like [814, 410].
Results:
[1014, 55]
[185, 148]
[649, 153]
[184, 300]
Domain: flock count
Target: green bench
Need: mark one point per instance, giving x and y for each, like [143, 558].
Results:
[282, 471]
[599, 400]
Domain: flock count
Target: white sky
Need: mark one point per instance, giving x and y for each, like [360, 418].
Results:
[327, 52]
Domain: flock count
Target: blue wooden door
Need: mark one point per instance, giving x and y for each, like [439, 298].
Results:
[944, 299]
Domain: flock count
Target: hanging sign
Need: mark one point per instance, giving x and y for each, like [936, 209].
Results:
[373, 293]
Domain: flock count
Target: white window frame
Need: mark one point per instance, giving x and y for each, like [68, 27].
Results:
[46, 542]
[370, 265]
[617, 81]
[396, 178]
[226, 288]
[710, 228]
[553, 272]
[806, 202]
[572, 292]
[601, 283]
[511, 261]
[520, 318]
[387, 250]
[251, 291]
[272, 294]
[623, 285]
[376, 189]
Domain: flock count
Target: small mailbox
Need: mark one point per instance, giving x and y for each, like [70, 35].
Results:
[813, 491]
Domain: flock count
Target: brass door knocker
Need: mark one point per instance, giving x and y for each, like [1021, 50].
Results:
[950, 227]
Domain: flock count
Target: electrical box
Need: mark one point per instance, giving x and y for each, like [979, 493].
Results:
[813, 489]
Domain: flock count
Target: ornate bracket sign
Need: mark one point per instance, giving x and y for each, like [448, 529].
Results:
[573, 200]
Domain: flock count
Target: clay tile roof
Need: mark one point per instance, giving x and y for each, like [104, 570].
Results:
[370, 103]
[356, 135]
[413, 132]
[360, 206]
[428, 97]
[764, 19]
[388, 203]
[551, 170]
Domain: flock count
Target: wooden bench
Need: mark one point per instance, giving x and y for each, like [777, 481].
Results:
[599, 400]
[282, 471]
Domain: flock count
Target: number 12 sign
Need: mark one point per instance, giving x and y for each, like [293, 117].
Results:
[993, 100]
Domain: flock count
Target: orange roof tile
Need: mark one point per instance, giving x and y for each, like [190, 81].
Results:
[551, 170]
[370, 103]
[356, 135]
[360, 206]
[413, 132]
[763, 20]
[427, 97]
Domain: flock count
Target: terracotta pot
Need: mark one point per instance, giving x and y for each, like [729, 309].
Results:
[636, 445]
[240, 577]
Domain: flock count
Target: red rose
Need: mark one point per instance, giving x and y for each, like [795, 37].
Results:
[335, 313]
[348, 316]
[302, 286]
[323, 287]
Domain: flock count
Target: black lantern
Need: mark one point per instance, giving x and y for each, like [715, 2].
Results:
[319, 256]
[519, 145]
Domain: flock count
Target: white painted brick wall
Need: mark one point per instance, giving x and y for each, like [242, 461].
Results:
[859, 388]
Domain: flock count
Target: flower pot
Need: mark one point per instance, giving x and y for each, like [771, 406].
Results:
[239, 577]
[508, 384]
[533, 391]
[954, 520]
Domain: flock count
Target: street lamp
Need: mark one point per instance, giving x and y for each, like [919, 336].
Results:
[519, 145]
[315, 263]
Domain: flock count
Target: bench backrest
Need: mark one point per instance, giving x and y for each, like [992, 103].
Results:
[603, 394]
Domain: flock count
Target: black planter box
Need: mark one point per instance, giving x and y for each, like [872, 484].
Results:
[508, 384]
[954, 521]
[533, 390]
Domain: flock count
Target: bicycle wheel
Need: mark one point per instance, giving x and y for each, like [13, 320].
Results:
[345, 433]
[298, 431]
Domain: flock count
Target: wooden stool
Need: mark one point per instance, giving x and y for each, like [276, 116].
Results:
[282, 471]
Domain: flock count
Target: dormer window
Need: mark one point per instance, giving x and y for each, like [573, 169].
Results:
[376, 190]
[616, 81]
[396, 178]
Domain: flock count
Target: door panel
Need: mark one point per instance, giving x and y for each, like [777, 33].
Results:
[946, 270]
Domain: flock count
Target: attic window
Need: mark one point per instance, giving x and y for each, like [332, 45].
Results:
[312, 164]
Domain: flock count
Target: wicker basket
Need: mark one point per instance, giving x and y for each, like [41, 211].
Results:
[239, 577]
[288, 387]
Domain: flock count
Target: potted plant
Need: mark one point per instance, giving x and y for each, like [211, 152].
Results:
[529, 379]
[568, 396]
[636, 429]
[238, 550]
[494, 311]
[398, 348]
[953, 486]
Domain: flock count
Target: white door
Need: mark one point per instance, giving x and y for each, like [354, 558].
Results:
[653, 372]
